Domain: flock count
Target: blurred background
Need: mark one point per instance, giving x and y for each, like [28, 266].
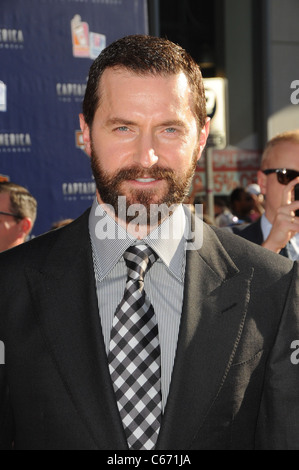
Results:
[248, 51]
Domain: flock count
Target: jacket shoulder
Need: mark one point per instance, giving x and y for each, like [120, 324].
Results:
[39, 248]
[248, 254]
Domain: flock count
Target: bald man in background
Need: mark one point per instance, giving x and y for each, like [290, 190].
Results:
[278, 228]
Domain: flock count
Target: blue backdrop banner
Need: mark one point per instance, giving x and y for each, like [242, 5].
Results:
[46, 50]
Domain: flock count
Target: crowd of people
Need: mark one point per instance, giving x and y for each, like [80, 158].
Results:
[152, 342]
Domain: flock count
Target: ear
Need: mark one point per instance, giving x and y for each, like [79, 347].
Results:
[25, 227]
[86, 134]
[262, 182]
[204, 137]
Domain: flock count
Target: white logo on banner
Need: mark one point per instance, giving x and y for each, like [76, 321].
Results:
[11, 38]
[86, 44]
[79, 190]
[3, 99]
[16, 143]
[68, 92]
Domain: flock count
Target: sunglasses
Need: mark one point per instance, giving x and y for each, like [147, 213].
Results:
[11, 215]
[284, 176]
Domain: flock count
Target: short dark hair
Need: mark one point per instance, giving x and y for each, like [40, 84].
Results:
[22, 203]
[236, 195]
[145, 55]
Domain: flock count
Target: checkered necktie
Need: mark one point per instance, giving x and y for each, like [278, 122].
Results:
[134, 357]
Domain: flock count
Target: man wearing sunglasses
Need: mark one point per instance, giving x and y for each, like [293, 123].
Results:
[278, 229]
[17, 215]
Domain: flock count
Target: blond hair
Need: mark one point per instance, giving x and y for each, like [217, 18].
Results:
[286, 137]
[22, 203]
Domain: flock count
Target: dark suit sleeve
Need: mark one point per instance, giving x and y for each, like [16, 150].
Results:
[6, 421]
[278, 425]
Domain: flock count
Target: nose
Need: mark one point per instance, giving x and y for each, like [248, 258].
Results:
[146, 155]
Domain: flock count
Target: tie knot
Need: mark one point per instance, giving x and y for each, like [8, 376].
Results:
[139, 259]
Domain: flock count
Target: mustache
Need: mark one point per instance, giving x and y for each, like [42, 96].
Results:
[156, 173]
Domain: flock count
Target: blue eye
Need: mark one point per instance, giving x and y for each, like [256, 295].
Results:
[170, 130]
[123, 129]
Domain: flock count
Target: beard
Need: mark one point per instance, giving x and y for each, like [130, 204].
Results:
[109, 187]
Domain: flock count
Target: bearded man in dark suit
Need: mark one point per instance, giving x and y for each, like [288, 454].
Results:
[216, 366]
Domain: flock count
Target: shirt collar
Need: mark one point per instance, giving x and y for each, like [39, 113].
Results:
[295, 243]
[266, 227]
[167, 241]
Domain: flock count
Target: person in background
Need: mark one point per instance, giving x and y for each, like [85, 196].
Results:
[278, 229]
[259, 201]
[61, 223]
[242, 204]
[18, 209]
[223, 216]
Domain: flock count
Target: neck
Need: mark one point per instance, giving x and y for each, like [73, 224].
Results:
[271, 215]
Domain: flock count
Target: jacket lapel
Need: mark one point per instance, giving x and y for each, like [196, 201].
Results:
[64, 293]
[215, 306]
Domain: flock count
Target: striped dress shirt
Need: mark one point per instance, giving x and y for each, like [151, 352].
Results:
[164, 283]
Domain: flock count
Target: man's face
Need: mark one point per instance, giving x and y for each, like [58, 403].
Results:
[144, 140]
[283, 155]
[9, 228]
[246, 203]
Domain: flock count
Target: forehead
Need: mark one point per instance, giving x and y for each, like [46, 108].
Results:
[120, 85]
[4, 202]
[285, 155]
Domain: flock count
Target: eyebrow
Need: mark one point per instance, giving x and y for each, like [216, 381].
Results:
[125, 122]
[174, 122]
[119, 121]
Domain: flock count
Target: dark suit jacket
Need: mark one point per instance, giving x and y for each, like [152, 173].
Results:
[253, 233]
[233, 384]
